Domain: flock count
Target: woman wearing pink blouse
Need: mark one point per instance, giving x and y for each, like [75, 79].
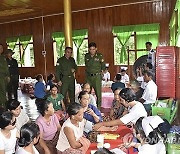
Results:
[49, 127]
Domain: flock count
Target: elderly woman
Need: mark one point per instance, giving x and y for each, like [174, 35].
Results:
[91, 113]
[117, 108]
[49, 127]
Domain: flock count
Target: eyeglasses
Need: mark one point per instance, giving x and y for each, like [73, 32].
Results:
[13, 123]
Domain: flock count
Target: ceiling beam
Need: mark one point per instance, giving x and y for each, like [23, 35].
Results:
[95, 8]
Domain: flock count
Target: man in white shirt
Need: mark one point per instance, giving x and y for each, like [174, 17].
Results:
[136, 110]
[151, 54]
[150, 93]
[106, 75]
[124, 77]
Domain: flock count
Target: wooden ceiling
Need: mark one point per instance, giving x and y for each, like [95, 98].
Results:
[12, 10]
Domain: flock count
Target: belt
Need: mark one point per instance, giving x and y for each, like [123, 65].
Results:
[94, 74]
[69, 76]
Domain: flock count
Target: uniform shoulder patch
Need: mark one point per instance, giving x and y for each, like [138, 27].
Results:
[87, 55]
[96, 59]
[71, 58]
[99, 54]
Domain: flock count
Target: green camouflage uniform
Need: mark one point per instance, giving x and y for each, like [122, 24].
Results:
[4, 74]
[94, 66]
[64, 74]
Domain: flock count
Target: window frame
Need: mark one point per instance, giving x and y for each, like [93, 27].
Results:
[55, 60]
[129, 50]
[19, 44]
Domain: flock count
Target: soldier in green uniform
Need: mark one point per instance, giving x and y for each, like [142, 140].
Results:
[14, 74]
[4, 77]
[95, 64]
[65, 74]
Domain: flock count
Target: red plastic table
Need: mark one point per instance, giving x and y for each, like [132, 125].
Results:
[122, 131]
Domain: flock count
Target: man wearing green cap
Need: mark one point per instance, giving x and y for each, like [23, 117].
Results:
[65, 74]
[95, 65]
[14, 75]
[4, 77]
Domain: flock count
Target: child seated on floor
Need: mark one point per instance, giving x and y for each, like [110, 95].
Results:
[58, 104]
[50, 80]
[40, 88]
[117, 108]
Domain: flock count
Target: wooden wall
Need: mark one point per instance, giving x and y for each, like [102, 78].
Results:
[177, 120]
[178, 74]
[99, 24]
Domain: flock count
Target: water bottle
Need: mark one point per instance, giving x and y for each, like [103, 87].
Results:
[100, 141]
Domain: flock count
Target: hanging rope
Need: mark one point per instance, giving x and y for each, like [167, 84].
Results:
[44, 49]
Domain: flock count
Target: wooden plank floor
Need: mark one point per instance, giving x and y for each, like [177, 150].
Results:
[28, 105]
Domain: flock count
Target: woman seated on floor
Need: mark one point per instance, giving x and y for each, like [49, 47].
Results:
[29, 136]
[49, 127]
[21, 117]
[91, 113]
[40, 88]
[50, 80]
[71, 140]
[149, 131]
[58, 104]
[117, 83]
[136, 110]
[8, 133]
[92, 99]
[136, 87]
[117, 108]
